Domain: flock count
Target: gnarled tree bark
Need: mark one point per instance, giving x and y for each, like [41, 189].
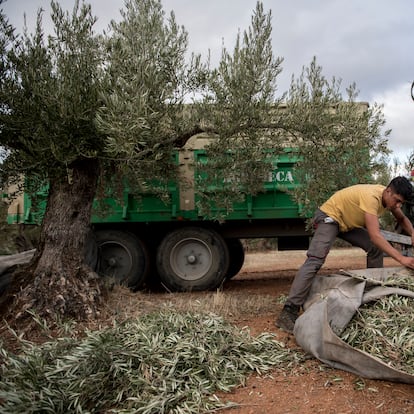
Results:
[58, 282]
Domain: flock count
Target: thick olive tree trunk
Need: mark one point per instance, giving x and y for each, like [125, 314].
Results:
[57, 281]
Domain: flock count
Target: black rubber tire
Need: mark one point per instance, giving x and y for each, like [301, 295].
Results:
[192, 259]
[123, 257]
[236, 251]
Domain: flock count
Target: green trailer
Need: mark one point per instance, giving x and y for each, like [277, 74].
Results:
[144, 239]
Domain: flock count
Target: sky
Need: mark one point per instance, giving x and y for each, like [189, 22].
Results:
[369, 42]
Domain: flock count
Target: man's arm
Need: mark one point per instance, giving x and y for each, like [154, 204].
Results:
[373, 227]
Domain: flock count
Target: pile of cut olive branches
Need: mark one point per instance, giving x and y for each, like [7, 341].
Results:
[165, 362]
[385, 328]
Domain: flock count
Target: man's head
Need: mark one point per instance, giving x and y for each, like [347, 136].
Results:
[397, 192]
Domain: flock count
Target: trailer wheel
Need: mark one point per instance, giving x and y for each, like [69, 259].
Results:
[122, 257]
[192, 259]
[236, 252]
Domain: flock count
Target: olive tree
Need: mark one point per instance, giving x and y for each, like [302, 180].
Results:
[49, 94]
[75, 105]
[410, 162]
[239, 103]
[339, 141]
[159, 100]
[144, 115]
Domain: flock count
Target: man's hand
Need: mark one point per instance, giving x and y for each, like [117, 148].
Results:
[407, 262]
[373, 228]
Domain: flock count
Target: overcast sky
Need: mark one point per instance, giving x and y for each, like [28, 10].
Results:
[369, 42]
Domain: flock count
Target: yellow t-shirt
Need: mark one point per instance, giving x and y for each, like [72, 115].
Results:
[349, 205]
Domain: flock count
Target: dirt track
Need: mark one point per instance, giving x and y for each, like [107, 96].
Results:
[285, 262]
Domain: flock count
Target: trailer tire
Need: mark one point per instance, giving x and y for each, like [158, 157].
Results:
[123, 257]
[236, 251]
[192, 259]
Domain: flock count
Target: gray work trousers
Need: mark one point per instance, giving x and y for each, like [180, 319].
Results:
[320, 245]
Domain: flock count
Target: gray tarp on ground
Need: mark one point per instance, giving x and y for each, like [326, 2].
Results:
[332, 303]
[8, 264]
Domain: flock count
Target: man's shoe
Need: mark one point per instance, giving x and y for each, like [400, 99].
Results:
[287, 317]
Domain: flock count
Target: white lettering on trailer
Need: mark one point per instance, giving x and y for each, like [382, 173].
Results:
[284, 176]
[281, 176]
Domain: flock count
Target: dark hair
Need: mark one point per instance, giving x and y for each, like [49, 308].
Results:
[402, 187]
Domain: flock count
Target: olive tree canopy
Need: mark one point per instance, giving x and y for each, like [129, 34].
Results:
[340, 141]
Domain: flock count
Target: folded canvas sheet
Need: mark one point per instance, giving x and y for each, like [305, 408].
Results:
[332, 303]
